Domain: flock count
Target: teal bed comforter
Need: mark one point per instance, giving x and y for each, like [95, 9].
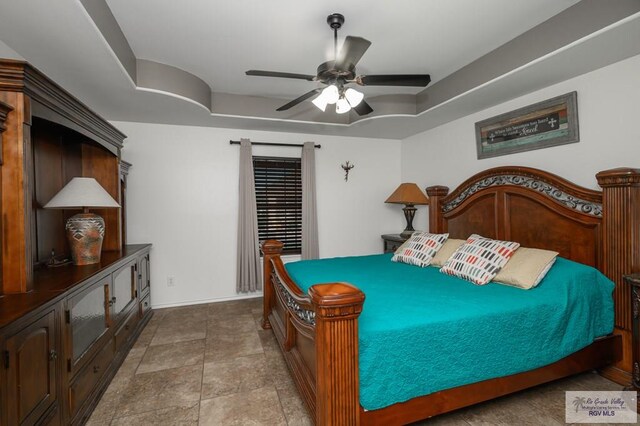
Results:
[421, 331]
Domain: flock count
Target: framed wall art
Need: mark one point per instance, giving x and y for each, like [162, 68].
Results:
[541, 125]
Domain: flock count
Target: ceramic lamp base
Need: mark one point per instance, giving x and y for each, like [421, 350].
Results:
[85, 232]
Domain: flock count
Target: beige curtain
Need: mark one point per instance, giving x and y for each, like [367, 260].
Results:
[310, 248]
[249, 276]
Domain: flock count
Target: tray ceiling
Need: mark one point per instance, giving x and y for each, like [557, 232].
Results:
[219, 40]
[123, 58]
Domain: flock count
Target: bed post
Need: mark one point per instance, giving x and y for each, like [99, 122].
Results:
[621, 255]
[337, 307]
[435, 193]
[270, 249]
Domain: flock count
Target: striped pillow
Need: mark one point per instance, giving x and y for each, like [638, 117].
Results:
[420, 248]
[479, 259]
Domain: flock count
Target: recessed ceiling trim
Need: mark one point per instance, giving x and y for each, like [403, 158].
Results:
[172, 95]
[172, 81]
[573, 26]
[540, 59]
[145, 75]
[576, 24]
[102, 18]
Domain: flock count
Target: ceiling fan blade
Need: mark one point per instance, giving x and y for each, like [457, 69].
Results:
[352, 50]
[297, 100]
[416, 80]
[363, 108]
[261, 73]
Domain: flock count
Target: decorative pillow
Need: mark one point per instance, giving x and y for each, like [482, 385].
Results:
[448, 248]
[405, 244]
[526, 268]
[479, 259]
[420, 248]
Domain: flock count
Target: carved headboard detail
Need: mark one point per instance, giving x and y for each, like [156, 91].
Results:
[535, 208]
[539, 209]
[563, 196]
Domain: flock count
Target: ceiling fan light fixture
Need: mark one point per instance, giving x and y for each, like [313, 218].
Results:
[321, 102]
[340, 71]
[354, 97]
[342, 106]
[331, 94]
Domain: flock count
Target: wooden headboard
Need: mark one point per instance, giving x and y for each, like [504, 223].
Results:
[535, 208]
[539, 209]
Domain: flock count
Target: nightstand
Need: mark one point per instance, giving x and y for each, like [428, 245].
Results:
[633, 281]
[391, 242]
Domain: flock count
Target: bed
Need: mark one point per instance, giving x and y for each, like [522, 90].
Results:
[318, 325]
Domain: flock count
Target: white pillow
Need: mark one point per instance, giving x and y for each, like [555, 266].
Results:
[420, 248]
[403, 245]
[479, 259]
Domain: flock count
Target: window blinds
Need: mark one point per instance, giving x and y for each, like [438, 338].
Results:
[279, 201]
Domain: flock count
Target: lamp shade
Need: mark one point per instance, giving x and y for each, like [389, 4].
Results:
[408, 193]
[81, 192]
[342, 106]
[330, 94]
[354, 97]
[320, 102]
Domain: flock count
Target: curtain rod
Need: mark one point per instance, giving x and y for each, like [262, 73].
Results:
[274, 144]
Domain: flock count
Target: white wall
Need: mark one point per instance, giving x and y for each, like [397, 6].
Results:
[609, 120]
[183, 198]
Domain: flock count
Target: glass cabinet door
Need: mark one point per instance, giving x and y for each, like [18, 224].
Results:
[88, 317]
[143, 274]
[124, 290]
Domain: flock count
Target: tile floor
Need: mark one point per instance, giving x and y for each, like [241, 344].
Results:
[213, 365]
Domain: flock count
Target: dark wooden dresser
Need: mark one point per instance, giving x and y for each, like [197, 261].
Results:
[64, 330]
[63, 342]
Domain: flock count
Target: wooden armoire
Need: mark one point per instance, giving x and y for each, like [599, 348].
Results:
[64, 329]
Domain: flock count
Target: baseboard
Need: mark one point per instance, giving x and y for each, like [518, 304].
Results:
[202, 302]
[615, 374]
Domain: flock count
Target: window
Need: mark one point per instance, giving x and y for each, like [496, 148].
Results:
[279, 201]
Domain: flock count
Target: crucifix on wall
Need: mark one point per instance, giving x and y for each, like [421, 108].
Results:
[347, 167]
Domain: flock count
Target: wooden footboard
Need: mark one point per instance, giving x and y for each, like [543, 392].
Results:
[318, 335]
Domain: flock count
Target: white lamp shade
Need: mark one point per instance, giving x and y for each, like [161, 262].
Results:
[320, 102]
[342, 106]
[330, 94]
[81, 192]
[353, 96]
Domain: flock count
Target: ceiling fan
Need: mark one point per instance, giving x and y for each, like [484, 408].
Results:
[340, 72]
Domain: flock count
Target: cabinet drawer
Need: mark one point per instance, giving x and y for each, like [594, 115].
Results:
[145, 305]
[391, 246]
[87, 378]
[391, 242]
[124, 332]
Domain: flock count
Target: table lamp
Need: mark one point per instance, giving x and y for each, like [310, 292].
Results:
[410, 195]
[85, 231]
